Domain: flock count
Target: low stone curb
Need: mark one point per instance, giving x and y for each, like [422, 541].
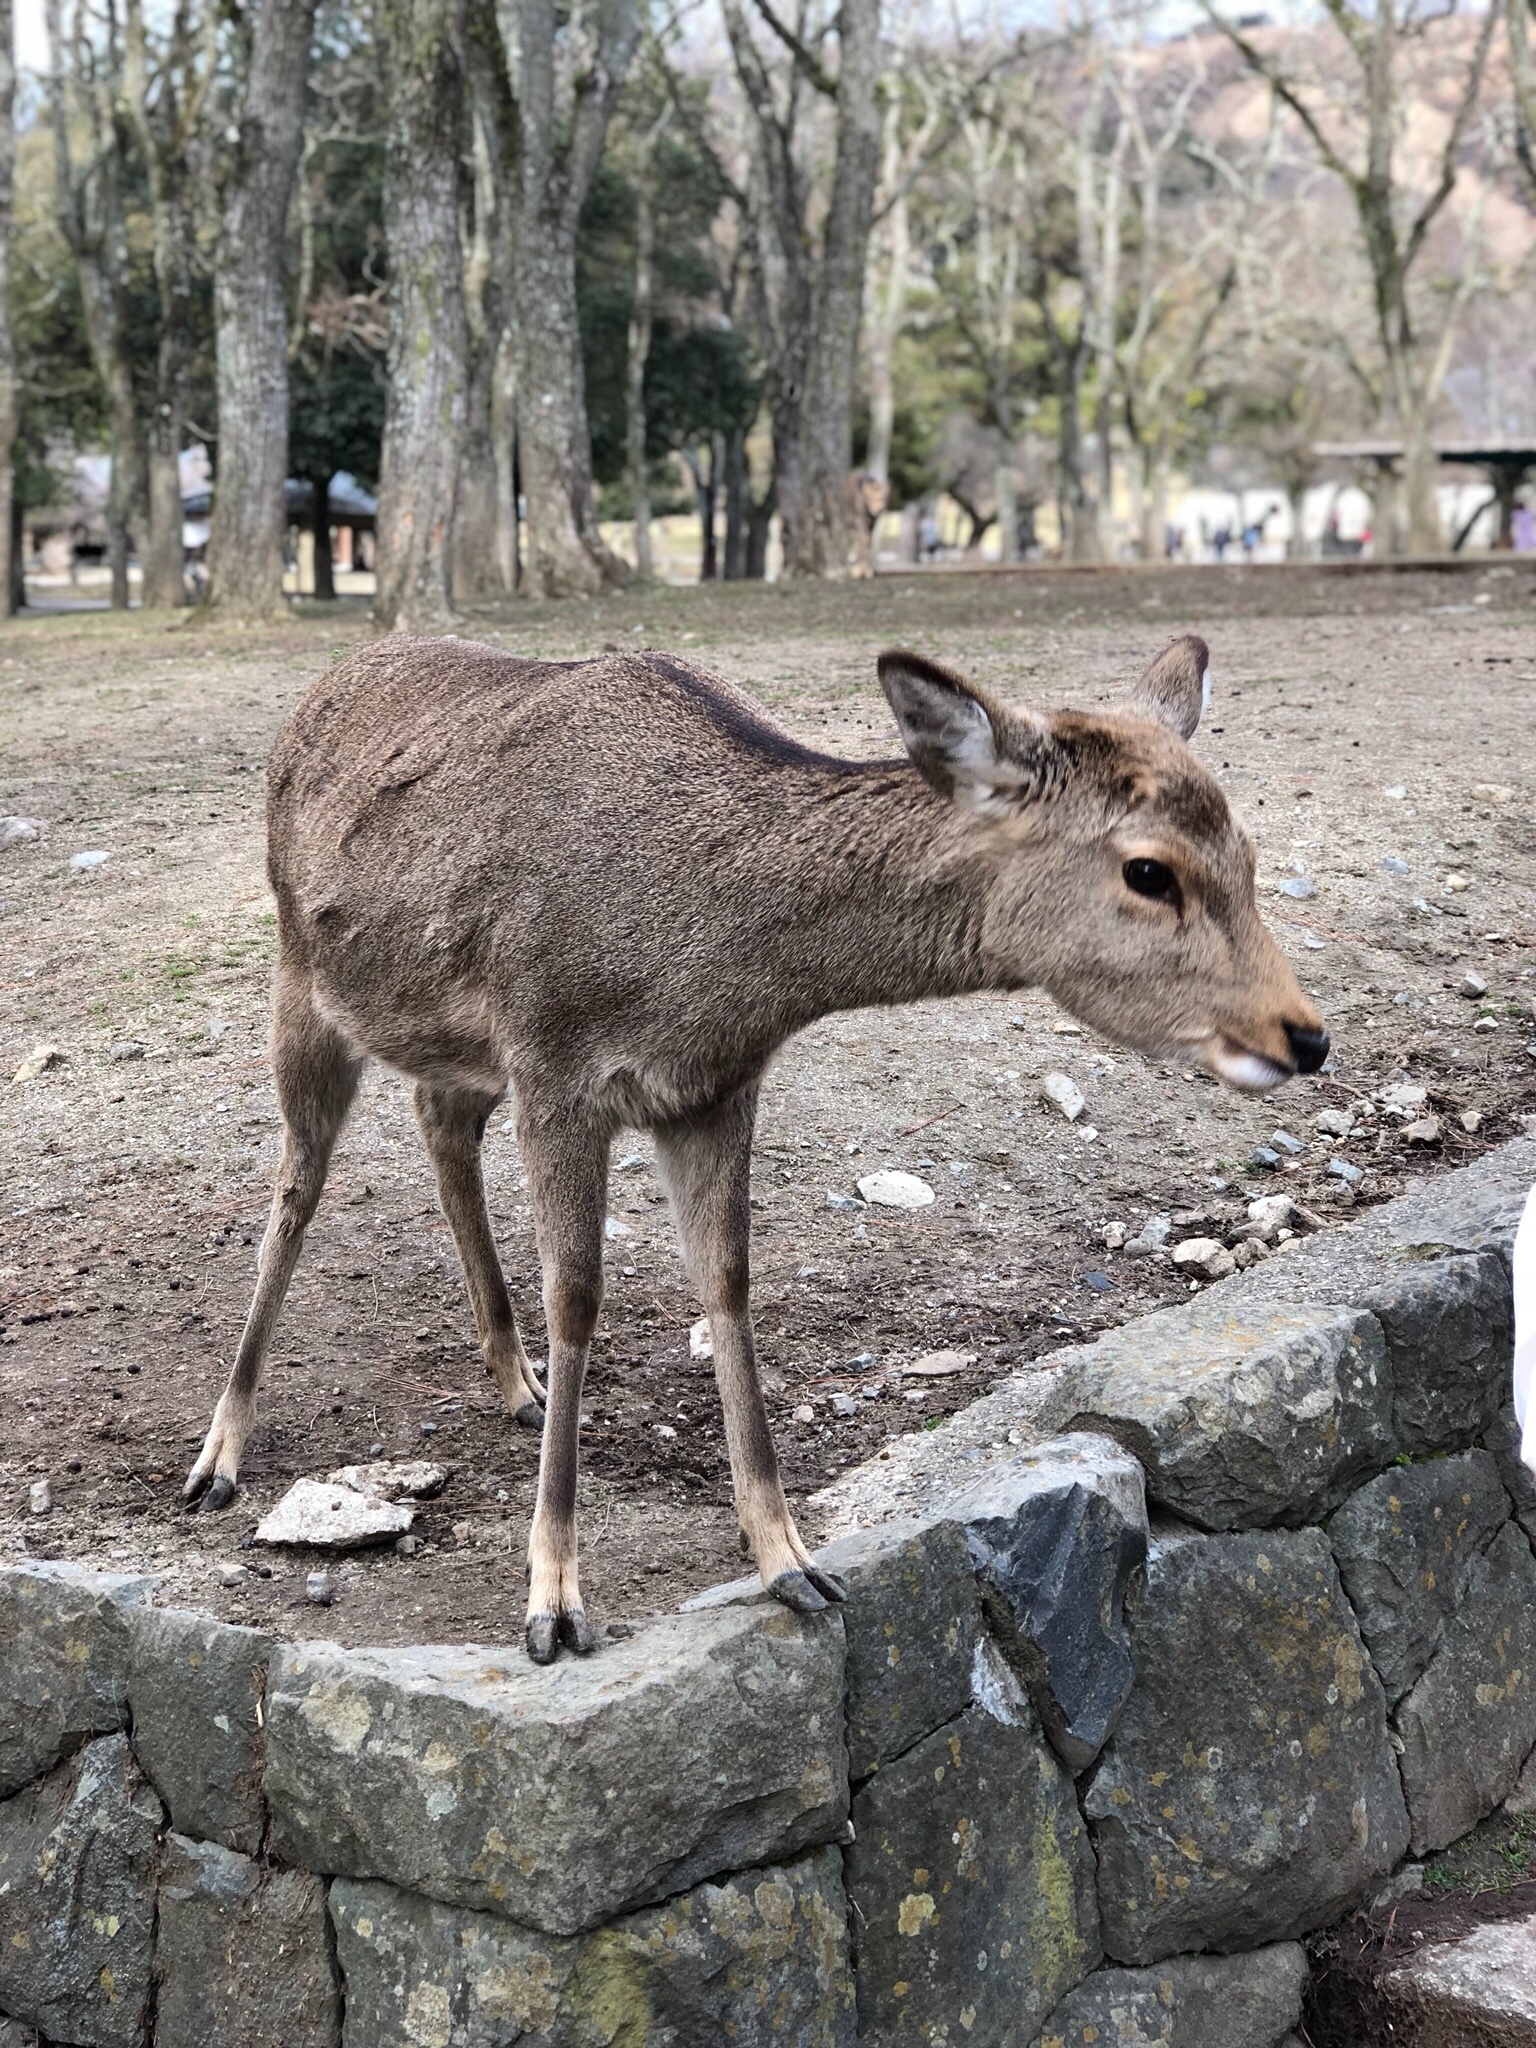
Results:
[1157, 1659]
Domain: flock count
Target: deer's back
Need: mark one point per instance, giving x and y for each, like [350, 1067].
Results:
[466, 844]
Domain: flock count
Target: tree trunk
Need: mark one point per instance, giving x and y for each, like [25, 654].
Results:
[736, 505]
[477, 537]
[889, 304]
[164, 555]
[428, 337]
[504, 447]
[245, 546]
[1080, 539]
[635, 362]
[9, 391]
[320, 537]
[566, 554]
[823, 541]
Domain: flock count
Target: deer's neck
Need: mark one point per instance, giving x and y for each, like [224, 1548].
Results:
[878, 897]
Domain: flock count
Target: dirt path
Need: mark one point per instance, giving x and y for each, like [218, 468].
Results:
[135, 1187]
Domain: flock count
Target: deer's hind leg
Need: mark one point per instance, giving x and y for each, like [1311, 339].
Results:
[316, 1072]
[453, 1124]
[705, 1165]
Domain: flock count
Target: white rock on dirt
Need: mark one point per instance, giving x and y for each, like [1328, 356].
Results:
[1403, 1097]
[1113, 1235]
[1471, 985]
[1205, 1257]
[1424, 1131]
[39, 1498]
[330, 1517]
[937, 1365]
[889, 1189]
[1274, 1213]
[1471, 1119]
[392, 1479]
[843, 1404]
[1334, 1123]
[1151, 1237]
[1060, 1091]
[94, 858]
[699, 1344]
[38, 1061]
[14, 830]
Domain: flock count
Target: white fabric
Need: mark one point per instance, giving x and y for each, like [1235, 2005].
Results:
[1525, 1331]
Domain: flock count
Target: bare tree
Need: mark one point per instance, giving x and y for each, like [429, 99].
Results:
[10, 394]
[259, 115]
[424, 417]
[563, 68]
[89, 202]
[640, 322]
[161, 101]
[1362, 148]
[1521, 23]
[480, 565]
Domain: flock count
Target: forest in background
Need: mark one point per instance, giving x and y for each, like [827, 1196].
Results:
[788, 263]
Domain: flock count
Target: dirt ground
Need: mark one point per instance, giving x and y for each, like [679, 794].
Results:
[1360, 718]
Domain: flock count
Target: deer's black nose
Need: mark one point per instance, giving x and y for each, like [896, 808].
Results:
[1308, 1048]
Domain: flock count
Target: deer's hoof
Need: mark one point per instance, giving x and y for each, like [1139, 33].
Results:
[219, 1495]
[577, 1633]
[529, 1416]
[542, 1638]
[807, 1591]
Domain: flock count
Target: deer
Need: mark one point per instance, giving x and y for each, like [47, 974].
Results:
[615, 888]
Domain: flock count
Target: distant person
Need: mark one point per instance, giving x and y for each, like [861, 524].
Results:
[928, 534]
[1221, 540]
[1522, 530]
[1253, 533]
[1173, 542]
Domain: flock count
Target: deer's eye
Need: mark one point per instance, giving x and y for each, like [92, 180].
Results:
[1152, 878]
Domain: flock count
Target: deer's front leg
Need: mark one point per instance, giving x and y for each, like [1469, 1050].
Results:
[566, 1161]
[706, 1166]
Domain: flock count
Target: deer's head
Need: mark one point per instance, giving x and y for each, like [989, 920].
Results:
[1119, 878]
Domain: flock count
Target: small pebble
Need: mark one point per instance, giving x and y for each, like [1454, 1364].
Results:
[39, 1498]
[843, 1404]
[1340, 1169]
[1471, 1119]
[1299, 887]
[1334, 1123]
[1396, 792]
[1099, 1282]
[699, 1344]
[619, 1631]
[318, 1589]
[1264, 1155]
[407, 1546]
[1113, 1235]
[85, 861]
[1471, 985]
[863, 1363]
[124, 1050]
[1393, 866]
[1060, 1091]
[1486, 1024]
[234, 1575]
[429, 1429]
[802, 1414]
[1424, 1131]
[1284, 1142]
[1203, 1255]
[1457, 885]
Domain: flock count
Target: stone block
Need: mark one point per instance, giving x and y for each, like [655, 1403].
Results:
[195, 1686]
[77, 1899]
[1405, 1545]
[14, 2035]
[244, 1955]
[1502, 1441]
[1470, 1722]
[63, 1662]
[1475, 1209]
[1476, 1992]
[1448, 1325]
[759, 1960]
[1244, 1414]
[1244, 2001]
[1249, 1793]
[1055, 1535]
[912, 1623]
[971, 1880]
[561, 1796]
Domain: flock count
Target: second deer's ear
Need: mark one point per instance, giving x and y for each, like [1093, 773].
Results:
[963, 745]
[1177, 687]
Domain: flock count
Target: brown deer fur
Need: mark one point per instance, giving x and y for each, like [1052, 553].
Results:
[616, 888]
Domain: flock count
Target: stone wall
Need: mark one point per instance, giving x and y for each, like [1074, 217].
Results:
[1161, 1657]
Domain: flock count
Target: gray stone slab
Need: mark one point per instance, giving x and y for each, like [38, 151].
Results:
[1475, 1992]
[758, 1960]
[971, 1881]
[561, 1796]
[1244, 1414]
[195, 1686]
[77, 1899]
[1243, 2001]
[912, 1622]
[244, 1954]
[1055, 1535]
[1502, 1440]
[1249, 1793]
[1470, 1722]
[1475, 1209]
[1445, 1318]
[14, 2035]
[1405, 1545]
[63, 1662]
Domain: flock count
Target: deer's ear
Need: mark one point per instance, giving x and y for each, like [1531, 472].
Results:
[963, 745]
[1177, 687]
